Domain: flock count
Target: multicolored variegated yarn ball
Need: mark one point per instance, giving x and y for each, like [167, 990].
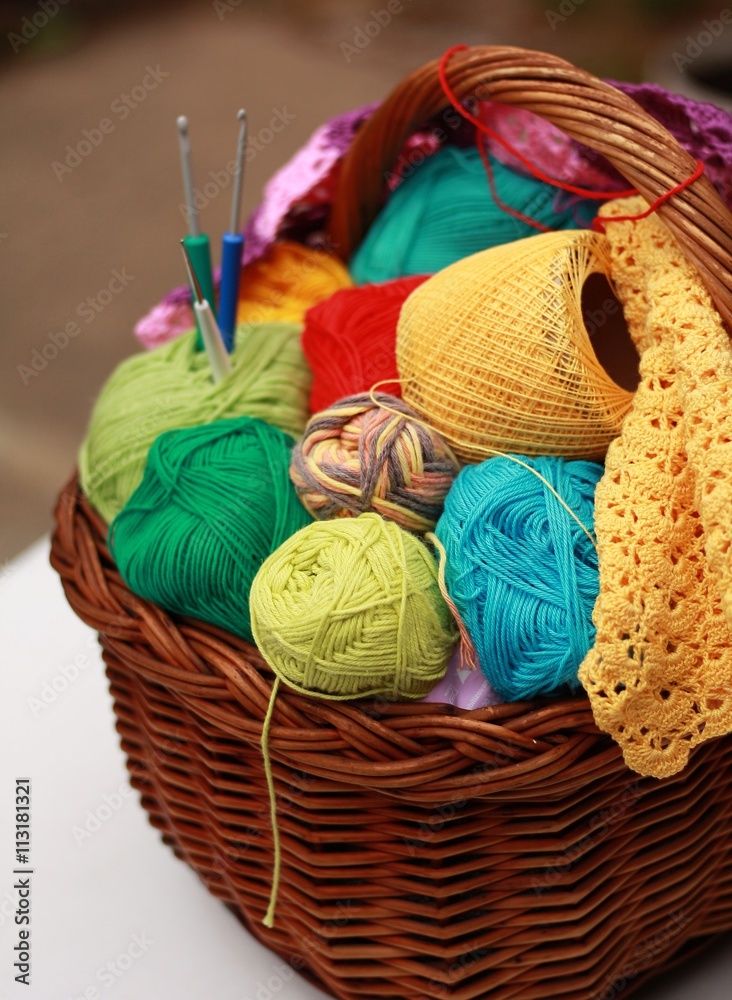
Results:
[370, 452]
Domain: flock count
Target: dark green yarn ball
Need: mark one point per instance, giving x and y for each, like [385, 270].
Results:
[214, 502]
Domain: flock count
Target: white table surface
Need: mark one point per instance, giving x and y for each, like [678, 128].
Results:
[92, 894]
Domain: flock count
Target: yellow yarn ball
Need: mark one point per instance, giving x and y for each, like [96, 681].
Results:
[283, 284]
[352, 609]
[494, 353]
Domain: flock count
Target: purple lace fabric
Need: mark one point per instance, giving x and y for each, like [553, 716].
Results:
[295, 202]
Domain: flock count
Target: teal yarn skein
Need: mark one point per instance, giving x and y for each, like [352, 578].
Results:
[171, 387]
[521, 570]
[215, 501]
[445, 211]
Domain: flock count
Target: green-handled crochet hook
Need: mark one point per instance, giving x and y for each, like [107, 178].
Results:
[196, 243]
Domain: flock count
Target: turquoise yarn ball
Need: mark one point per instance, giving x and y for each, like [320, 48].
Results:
[214, 502]
[445, 211]
[521, 570]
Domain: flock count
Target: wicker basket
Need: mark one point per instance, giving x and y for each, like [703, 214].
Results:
[428, 852]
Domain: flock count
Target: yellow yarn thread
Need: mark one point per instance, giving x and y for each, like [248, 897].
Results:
[348, 609]
[268, 919]
[494, 352]
[468, 654]
[283, 284]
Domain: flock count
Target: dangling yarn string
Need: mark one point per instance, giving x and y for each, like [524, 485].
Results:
[539, 174]
[533, 170]
[480, 143]
[501, 454]
[268, 919]
[599, 224]
[468, 655]
[338, 624]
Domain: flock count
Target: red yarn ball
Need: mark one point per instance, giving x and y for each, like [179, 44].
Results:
[349, 340]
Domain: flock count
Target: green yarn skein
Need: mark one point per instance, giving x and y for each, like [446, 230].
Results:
[171, 387]
[445, 211]
[214, 502]
[352, 609]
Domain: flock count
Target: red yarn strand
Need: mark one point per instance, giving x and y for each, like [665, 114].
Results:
[480, 141]
[599, 224]
[534, 170]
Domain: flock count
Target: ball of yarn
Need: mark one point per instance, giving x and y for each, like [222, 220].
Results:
[445, 211]
[352, 608]
[349, 340]
[360, 456]
[286, 281]
[171, 387]
[522, 571]
[495, 355]
[214, 502]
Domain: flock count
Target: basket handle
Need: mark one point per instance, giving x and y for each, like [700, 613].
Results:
[582, 106]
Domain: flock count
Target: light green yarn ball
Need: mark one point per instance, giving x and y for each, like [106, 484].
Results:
[352, 608]
[171, 387]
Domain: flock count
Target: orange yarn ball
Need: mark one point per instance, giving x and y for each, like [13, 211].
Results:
[283, 284]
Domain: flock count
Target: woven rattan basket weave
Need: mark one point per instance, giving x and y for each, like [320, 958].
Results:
[428, 852]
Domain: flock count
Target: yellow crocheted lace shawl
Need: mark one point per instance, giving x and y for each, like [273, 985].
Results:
[660, 674]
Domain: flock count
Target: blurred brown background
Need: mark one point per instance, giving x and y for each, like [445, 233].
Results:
[63, 65]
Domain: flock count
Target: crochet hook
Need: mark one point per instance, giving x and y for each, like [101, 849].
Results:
[197, 243]
[212, 341]
[232, 247]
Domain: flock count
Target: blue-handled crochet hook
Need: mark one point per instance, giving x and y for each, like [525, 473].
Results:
[232, 247]
[196, 243]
